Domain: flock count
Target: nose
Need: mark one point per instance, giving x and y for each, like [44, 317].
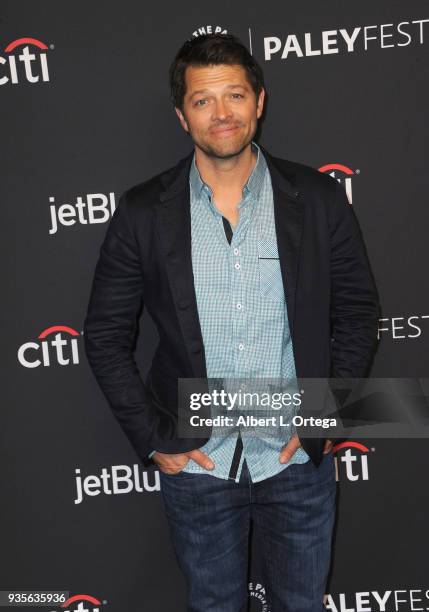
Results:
[221, 110]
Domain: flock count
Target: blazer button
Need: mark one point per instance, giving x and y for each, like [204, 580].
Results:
[196, 346]
[183, 304]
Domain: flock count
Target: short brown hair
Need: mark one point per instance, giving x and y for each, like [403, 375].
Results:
[212, 49]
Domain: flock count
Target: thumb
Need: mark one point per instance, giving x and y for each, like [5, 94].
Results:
[201, 458]
[289, 450]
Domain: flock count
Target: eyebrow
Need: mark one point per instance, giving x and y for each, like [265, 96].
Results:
[202, 91]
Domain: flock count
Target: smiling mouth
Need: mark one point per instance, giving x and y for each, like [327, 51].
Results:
[224, 130]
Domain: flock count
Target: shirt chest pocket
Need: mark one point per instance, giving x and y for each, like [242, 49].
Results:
[270, 276]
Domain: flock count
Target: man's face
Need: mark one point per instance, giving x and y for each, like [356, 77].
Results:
[220, 109]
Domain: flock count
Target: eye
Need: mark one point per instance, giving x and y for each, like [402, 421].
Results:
[237, 95]
[197, 103]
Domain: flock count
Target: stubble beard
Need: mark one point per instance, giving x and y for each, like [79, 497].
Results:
[225, 151]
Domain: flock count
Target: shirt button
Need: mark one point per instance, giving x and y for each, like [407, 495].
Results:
[236, 251]
[240, 346]
[237, 265]
[239, 306]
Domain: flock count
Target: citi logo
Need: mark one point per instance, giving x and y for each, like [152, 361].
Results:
[56, 345]
[117, 480]
[90, 209]
[25, 66]
[343, 174]
[82, 601]
[209, 29]
[353, 464]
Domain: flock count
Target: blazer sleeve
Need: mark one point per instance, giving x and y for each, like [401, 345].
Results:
[355, 306]
[110, 327]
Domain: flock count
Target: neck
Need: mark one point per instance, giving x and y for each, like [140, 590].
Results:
[226, 174]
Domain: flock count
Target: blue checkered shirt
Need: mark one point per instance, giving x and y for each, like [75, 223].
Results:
[242, 311]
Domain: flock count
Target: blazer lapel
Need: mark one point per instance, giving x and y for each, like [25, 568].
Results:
[289, 219]
[174, 225]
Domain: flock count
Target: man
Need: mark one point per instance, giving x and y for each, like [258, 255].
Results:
[251, 267]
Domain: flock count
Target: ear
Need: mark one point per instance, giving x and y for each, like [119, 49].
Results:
[260, 103]
[182, 119]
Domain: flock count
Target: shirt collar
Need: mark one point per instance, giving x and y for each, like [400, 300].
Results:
[253, 184]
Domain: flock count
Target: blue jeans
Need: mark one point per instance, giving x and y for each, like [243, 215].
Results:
[292, 515]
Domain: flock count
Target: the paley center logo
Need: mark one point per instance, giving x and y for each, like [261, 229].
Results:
[343, 174]
[55, 345]
[258, 597]
[209, 29]
[25, 60]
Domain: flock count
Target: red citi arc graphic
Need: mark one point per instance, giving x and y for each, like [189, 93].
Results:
[25, 41]
[357, 445]
[346, 176]
[333, 167]
[58, 328]
[88, 598]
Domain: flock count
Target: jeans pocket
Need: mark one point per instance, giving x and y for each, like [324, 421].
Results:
[175, 475]
[270, 275]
